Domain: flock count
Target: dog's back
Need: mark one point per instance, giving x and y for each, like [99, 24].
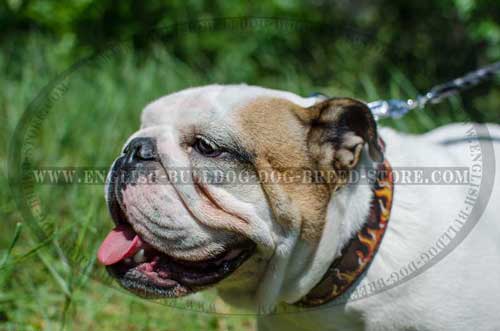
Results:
[442, 244]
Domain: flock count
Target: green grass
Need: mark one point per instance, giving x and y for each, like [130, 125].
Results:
[42, 284]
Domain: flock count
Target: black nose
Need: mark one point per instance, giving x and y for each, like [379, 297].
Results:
[141, 149]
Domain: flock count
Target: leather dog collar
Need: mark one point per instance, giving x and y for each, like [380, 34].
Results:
[356, 256]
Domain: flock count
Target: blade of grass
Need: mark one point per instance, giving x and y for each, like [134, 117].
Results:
[53, 272]
[15, 238]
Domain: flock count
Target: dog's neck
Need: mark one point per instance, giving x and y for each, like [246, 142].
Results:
[293, 275]
[298, 266]
[359, 252]
[346, 214]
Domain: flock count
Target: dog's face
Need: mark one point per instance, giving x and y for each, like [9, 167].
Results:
[193, 192]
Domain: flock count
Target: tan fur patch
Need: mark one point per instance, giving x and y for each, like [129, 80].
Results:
[275, 131]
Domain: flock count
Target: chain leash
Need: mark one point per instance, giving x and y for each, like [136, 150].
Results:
[395, 108]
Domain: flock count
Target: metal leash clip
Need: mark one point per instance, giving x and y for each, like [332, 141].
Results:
[392, 108]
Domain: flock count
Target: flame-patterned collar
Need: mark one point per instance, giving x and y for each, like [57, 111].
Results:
[356, 256]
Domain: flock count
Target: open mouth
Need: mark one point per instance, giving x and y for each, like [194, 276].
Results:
[150, 273]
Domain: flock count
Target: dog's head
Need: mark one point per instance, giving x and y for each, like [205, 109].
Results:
[222, 180]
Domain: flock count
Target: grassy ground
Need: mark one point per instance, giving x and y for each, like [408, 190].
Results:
[52, 283]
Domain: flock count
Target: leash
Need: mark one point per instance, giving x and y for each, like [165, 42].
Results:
[395, 108]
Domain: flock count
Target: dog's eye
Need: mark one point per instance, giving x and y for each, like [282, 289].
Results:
[206, 147]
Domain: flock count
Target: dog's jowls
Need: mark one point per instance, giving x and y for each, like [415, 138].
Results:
[184, 225]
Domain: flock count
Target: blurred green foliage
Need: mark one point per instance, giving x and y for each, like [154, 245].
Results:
[429, 42]
[364, 49]
[435, 37]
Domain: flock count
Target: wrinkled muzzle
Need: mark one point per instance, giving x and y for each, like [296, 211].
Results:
[163, 244]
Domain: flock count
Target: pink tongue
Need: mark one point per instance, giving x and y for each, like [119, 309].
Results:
[120, 243]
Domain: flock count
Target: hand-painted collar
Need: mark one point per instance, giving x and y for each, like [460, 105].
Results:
[360, 250]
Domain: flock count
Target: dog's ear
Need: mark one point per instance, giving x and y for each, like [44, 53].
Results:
[339, 129]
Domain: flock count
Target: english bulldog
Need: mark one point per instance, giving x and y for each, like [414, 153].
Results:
[330, 243]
